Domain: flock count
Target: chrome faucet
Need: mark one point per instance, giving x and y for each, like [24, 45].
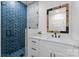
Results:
[55, 35]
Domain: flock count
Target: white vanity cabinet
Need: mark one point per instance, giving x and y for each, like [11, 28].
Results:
[61, 49]
[34, 48]
[44, 48]
[45, 52]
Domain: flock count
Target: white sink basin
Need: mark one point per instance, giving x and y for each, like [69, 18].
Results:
[69, 41]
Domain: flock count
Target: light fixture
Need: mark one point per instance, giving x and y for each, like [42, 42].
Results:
[12, 3]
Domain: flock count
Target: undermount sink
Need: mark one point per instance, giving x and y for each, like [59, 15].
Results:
[68, 41]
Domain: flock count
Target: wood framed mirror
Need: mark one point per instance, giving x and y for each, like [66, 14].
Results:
[58, 19]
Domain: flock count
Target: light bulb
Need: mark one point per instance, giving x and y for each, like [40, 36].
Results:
[12, 3]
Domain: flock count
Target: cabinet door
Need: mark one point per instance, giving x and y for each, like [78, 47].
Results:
[60, 54]
[45, 52]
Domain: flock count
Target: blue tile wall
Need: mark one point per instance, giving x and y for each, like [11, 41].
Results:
[13, 23]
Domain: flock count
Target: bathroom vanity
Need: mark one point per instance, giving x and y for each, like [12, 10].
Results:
[58, 21]
[45, 47]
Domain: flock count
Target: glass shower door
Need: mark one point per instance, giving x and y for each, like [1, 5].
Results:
[13, 23]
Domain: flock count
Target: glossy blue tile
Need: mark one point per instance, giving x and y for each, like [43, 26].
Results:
[13, 27]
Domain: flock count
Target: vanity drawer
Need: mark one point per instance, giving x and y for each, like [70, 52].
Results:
[34, 41]
[60, 54]
[34, 52]
[76, 52]
[34, 48]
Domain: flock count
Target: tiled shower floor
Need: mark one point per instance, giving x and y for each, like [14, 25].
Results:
[19, 53]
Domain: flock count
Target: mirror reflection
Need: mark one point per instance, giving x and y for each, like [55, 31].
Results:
[57, 19]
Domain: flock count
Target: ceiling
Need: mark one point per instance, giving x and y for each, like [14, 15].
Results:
[27, 2]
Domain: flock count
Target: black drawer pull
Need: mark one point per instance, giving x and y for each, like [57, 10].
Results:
[50, 54]
[33, 48]
[54, 55]
[32, 56]
[34, 41]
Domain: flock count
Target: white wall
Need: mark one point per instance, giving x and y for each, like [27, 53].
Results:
[0, 28]
[73, 17]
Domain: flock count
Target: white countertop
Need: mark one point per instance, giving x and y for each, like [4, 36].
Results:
[70, 41]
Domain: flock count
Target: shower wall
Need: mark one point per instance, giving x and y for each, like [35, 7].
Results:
[13, 24]
[0, 29]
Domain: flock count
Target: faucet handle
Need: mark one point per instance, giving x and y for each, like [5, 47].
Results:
[59, 36]
[55, 35]
[52, 35]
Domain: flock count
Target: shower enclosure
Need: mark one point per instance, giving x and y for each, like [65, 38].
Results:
[13, 24]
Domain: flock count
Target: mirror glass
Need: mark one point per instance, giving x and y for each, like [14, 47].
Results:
[57, 19]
